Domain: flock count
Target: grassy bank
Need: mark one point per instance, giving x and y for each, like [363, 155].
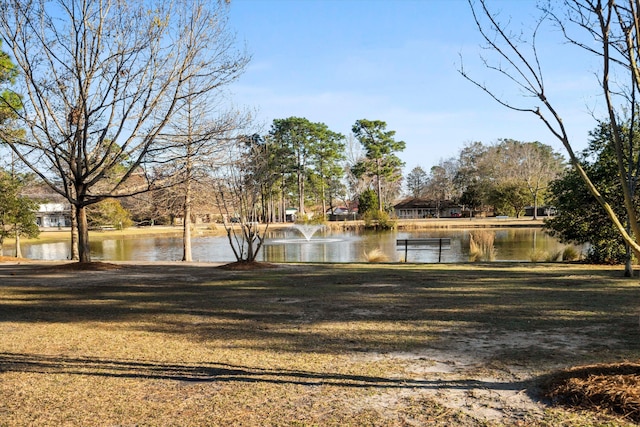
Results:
[381, 345]
[55, 234]
[470, 223]
[445, 223]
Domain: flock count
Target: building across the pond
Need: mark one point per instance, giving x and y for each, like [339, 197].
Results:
[415, 208]
[54, 215]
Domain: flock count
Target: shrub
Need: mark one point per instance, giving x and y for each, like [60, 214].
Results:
[537, 255]
[384, 221]
[376, 255]
[570, 253]
[367, 202]
[314, 220]
[378, 220]
[481, 246]
[109, 212]
[553, 256]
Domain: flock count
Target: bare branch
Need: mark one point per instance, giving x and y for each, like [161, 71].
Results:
[618, 47]
[101, 80]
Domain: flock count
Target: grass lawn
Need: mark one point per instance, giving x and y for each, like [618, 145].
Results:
[171, 344]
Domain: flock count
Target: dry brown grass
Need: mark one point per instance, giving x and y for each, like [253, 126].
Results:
[612, 388]
[481, 246]
[5, 258]
[170, 344]
[376, 255]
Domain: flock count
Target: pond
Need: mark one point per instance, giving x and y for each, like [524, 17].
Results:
[289, 245]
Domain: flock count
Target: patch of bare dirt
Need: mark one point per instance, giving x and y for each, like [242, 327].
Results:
[246, 265]
[488, 376]
[84, 266]
[65, 266]
[13, 259]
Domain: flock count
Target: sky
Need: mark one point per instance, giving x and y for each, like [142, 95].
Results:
[337, 61]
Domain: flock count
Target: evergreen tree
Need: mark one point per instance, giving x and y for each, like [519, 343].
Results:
[380, 148]
[367, 202]
[580, 217]
[9, 100]
[17, 213]
[326, 156]
[309, 151]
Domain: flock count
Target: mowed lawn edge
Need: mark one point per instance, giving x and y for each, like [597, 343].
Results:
[299, 344]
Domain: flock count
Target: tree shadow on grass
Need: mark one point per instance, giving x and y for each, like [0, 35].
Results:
[334, 308]
[222, 372]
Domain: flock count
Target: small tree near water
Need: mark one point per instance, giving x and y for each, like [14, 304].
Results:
[238, 198]
[367, 202]
[17, 213]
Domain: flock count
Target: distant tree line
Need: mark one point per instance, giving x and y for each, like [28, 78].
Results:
[504, 177]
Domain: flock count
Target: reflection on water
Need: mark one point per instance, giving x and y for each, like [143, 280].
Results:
[57, 250]
[286, 245]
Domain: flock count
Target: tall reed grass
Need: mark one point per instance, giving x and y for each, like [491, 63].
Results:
[376, 255]
[570, 253]
[481, 246]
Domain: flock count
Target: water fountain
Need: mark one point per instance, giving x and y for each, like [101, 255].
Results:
[308, 230]
[303, 235]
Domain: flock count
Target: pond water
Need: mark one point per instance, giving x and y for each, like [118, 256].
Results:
[288, 245]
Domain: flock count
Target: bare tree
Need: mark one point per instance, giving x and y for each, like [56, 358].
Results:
[355, 185]
[440, 181]
[539, 166]
[100, 81]
[606, 29]
[196, 140]
[531, 165]
[416, 181]
[238, 196]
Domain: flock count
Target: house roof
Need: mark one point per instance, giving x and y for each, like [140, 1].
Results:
[54, 207]
[417, 203]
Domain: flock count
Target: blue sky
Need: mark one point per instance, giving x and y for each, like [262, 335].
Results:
[337, 61]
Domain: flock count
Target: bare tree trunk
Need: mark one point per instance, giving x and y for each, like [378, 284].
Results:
[283, 211]
[301, 193]
[283, 207]
[379, 184]
[75, 254]
[324, 202]
[628, 265]
[186, 224]
[18, 249]
[84, 251]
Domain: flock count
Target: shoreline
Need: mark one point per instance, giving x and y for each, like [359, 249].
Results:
[56, 234]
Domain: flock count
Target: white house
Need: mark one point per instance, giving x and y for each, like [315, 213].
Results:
[54, 215]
